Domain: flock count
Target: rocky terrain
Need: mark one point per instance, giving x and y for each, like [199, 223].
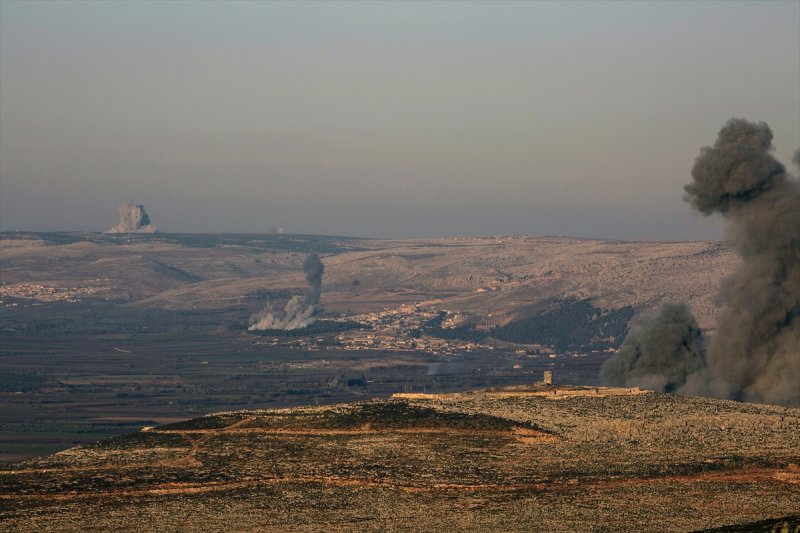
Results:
[496, 279]
[522, 459]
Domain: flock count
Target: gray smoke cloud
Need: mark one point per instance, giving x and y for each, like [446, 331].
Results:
[133, 219]
[299, 311]
[313, 269]
[660, 353]
[755, 354]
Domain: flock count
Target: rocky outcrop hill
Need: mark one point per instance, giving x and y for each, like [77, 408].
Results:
[547, 459]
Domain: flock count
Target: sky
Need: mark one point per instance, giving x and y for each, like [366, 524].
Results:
[381, 119]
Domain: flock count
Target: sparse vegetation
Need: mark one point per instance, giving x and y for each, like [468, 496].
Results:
[596, 460]
[568, 325]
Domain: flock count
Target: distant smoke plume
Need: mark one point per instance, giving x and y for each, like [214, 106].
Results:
[313, 269]
[755, 355]
[300, 311]
[133, 219]
[659, 354]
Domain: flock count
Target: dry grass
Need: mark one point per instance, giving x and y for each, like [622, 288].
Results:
[492, 460]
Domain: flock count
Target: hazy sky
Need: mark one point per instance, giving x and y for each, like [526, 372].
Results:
[383, 119]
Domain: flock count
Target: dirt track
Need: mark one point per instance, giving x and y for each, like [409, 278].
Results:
[621, 461]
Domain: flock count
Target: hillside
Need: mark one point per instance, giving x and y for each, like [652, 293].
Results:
[103, 333]
[565, 459]
[496, 279]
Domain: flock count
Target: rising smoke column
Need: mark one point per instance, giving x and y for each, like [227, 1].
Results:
[659, 354]
[299, 312]
[755, 355]
[313, 269]
[133, 219]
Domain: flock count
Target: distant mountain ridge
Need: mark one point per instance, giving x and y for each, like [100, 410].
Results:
[494, 279]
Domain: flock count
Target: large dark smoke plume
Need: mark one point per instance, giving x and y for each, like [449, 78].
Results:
[299, 312]
[659, 353]
[755, 354]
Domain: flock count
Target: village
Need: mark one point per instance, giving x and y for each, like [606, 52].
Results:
[403, 329]
[42, 293]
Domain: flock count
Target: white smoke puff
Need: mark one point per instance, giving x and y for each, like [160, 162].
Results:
[293, 316]
[133, 219]
[299, 312]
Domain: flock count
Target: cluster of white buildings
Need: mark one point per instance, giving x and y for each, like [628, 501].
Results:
[43, 293]
[392, 328]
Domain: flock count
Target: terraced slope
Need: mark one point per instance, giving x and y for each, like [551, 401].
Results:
[549, 460]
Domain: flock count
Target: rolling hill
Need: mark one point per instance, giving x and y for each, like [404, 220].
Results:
[522, 459]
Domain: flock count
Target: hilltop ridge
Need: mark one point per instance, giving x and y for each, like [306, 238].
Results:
[542, 458]
[494, 278]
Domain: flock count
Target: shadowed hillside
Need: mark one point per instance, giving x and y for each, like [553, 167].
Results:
[498, 279]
